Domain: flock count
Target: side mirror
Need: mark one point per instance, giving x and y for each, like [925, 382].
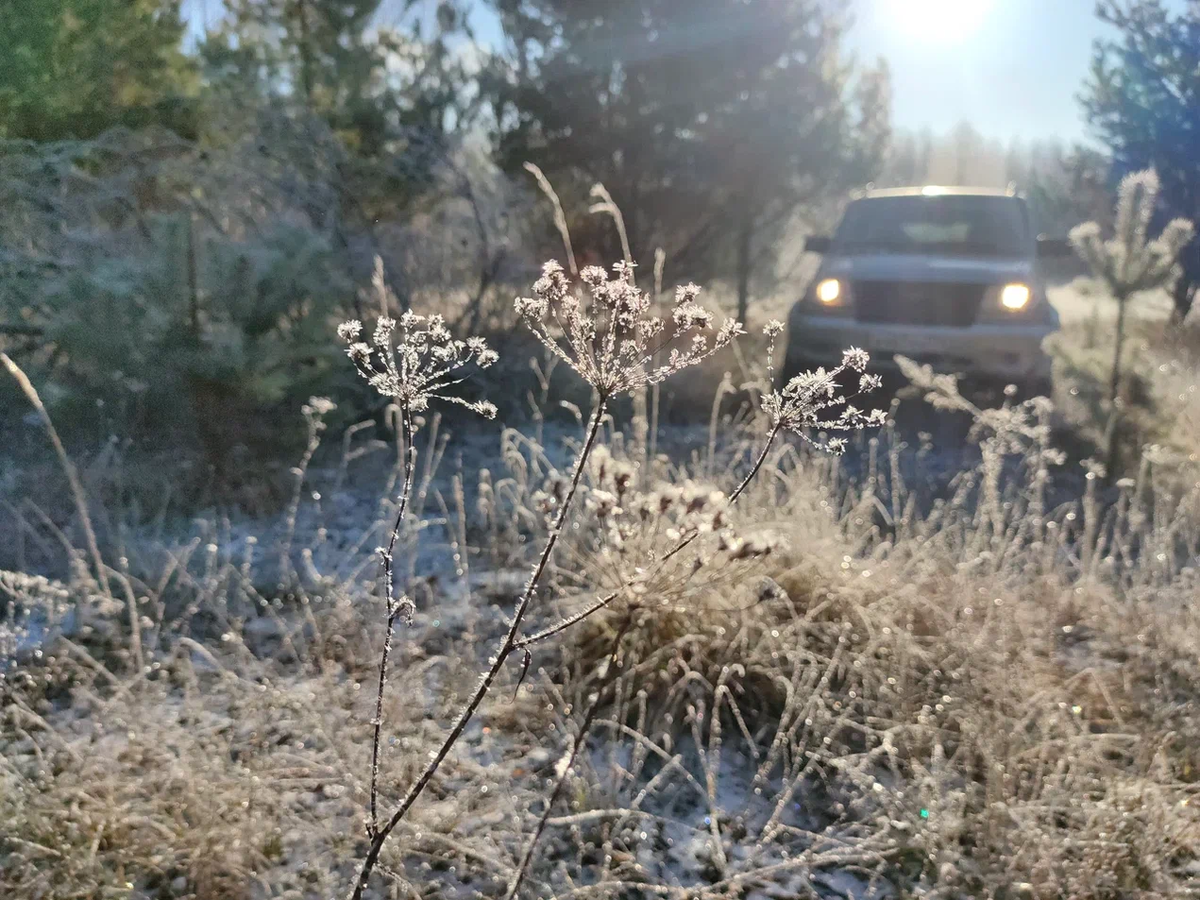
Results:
[1053, 248]
[817, 243]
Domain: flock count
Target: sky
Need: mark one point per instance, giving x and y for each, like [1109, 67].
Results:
[1010, 68]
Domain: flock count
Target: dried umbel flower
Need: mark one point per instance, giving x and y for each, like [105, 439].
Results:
[612, 342]
[416, 359]
[610, 473]
[411, 362]
[812, 401]
[630, 523]
[751, 547]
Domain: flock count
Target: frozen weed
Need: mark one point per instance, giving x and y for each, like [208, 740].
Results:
[421, 366]
[613, 341]
[611, 344]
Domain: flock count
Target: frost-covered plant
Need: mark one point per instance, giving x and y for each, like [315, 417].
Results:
[806, 402]
[1130, 261]
[422, 364]
[811, 401]
[623, 526]
[411, 362]
[612, 341]
[1010, 431]
[28, 603]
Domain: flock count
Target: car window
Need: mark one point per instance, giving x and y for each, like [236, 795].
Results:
[975, 226]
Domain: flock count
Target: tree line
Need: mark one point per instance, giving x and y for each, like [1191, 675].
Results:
[708, 122]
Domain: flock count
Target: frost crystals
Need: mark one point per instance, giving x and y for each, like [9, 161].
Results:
[422, 364]
[811, 401]
[613, 341]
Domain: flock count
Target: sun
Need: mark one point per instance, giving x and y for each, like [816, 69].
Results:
[941, 21]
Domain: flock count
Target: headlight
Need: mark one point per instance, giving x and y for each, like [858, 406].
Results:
[1015, 297]
[829, 291]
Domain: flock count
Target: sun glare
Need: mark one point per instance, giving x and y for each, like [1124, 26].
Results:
[942, 21]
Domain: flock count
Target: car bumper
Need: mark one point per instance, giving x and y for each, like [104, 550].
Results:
[988, 350]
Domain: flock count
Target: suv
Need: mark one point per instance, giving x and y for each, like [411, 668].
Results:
[947, 276]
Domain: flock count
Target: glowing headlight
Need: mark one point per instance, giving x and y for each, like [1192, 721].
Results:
[829, 290]
[1015, 296]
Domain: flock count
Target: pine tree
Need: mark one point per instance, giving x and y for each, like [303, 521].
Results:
[1141, 100]
[708, 121]
[1130, 262]
[74, 68]
[316, 53]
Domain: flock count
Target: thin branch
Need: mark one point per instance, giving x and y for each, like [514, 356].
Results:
[507, 646]
[565, 769]
[393, 608]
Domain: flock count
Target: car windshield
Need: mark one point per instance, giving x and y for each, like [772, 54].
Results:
[959, 225]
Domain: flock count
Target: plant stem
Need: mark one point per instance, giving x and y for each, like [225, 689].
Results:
[287, 577]
[758, 463]
[507, 645]
[586, 726]
[609, 598]
[393, 610]
[1114, 390]
[594, 707]
[1114, 384]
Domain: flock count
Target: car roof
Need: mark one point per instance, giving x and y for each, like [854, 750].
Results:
[935, 190]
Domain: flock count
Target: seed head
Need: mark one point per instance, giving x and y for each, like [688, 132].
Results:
[612, 339]
[812, 401]
[416, 359]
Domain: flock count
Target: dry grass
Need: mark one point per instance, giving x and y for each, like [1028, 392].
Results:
[855, 681]
[980, 697]
[990, 700]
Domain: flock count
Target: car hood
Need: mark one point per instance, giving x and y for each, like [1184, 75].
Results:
[909, 267]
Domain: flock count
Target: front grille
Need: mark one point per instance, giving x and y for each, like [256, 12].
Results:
[917, 303]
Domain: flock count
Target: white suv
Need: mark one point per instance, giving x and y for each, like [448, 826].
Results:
[947, 276]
